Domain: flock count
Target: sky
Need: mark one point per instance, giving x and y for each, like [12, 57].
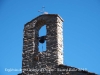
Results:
[81, 31]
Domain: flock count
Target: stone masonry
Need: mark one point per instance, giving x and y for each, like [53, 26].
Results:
[49, 62]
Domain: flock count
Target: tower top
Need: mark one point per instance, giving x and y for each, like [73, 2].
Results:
[45, 15]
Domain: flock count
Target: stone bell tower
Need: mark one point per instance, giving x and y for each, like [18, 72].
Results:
[49, 62]
[53, 56]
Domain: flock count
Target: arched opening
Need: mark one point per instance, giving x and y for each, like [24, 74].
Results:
[42, 32]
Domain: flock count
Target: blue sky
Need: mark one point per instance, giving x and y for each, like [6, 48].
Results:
[81, 31]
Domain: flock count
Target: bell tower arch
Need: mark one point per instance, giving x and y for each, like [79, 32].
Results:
[32, 58]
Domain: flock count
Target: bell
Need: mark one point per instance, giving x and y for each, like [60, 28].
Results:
[42, 39]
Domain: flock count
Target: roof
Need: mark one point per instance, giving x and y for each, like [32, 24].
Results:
[77, 70]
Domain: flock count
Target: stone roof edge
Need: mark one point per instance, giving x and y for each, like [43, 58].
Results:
[83, 71]
[44, 15]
